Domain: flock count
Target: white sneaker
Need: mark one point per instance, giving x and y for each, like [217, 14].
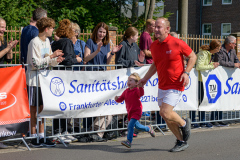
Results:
[69, 137]
[57, 140]
[2, 146]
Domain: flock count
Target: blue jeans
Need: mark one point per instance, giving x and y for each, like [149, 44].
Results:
[135, 123]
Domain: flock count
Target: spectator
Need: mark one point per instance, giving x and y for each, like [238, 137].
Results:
[5, 51]
[226, 57]
[174, 34]
[79, 45]
[97, 50]
[205, 62]
[40, 56]
[5, 48]
[65, 32]
[56, 38]
[146, 40]
[130, 54]
[31, 31]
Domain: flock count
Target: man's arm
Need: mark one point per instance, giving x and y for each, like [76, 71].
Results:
[192, 60]
[147, 53]
[222, 61]
[236, 60]
[151, 71]
[145, 41]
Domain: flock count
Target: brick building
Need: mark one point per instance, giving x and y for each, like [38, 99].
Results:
[207, 17]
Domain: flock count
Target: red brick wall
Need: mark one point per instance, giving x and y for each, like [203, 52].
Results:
[215, 14]
[171, 6]
[218, 13]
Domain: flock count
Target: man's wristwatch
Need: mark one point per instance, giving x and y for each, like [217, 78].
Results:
[186, 73]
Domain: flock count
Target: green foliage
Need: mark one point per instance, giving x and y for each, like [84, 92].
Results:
[17, 12]
[168, 14]
[87, 13]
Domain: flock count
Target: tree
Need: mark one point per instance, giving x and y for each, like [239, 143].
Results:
[84, 12]
[134, 11]
[147, 5]
[149, 9]
[18, 12]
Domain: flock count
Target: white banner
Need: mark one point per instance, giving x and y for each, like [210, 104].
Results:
[80, 94]
[221, 89]
[189, 99]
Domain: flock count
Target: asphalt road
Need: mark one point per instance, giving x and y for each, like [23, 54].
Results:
[219, 143]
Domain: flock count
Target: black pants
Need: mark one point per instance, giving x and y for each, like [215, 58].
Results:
[62, 126]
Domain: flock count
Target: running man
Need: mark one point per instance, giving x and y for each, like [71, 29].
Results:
[167, 53]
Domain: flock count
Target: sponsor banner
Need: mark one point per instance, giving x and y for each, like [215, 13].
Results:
[221, 89]
[16, 129]
[74, 94]
[14, 108]
[189, 100]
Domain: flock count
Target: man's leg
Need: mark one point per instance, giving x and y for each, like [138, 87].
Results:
[173, 120]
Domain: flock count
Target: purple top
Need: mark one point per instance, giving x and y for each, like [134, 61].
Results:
[145, 43]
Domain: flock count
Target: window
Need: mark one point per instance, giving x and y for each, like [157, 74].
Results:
[207, 29]
[226, 1]
[225, 29]
[207, 2]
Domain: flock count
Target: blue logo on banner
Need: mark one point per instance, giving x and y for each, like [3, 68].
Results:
[189, 84]
[62, 106]
[57, 86]
[213, 88]
[184, 97]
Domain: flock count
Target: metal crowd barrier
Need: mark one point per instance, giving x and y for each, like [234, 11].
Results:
[152, 117]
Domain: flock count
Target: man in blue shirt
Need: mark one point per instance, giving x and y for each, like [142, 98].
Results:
[29, 32]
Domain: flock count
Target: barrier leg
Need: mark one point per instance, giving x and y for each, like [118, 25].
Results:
[160, 130]
[62, 141]
[45, 130]
[26, 144]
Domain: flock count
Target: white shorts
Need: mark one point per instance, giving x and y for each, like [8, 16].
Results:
[171, 97]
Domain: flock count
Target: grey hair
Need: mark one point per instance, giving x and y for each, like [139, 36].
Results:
[76, 27]
[39, 13]
[174, 34]
[229, 39]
